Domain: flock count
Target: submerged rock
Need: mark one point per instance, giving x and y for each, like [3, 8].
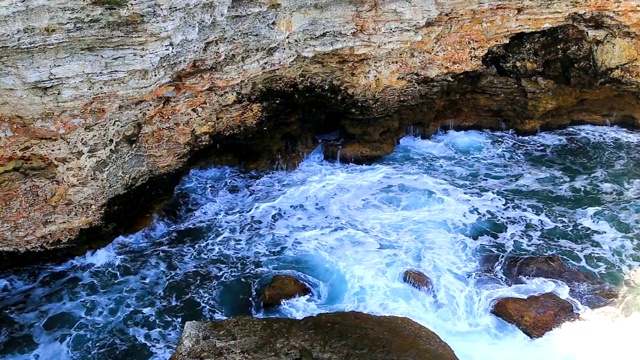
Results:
[587, 288]
[348, 335]
[417, 279]
[281, 288]
[535, 315]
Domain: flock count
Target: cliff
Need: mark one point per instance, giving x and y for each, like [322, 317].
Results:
[103, 103]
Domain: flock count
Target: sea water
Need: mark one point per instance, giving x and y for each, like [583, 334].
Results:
[439, 205]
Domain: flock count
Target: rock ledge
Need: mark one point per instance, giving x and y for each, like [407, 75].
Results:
[347, 335]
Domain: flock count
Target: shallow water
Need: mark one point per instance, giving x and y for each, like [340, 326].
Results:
[437, 205]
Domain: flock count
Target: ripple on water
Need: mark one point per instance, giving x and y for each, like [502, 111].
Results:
[350, 231]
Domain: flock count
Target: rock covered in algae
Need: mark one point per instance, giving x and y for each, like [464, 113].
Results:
[535, 315]
[346, 335]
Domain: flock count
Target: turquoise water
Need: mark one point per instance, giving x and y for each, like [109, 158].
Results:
[349, 231]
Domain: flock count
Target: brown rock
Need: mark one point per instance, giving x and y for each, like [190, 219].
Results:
[614, 52]
[417, 279]
[535, 315]
[550, 267]
[283, 287]
[348, 335]
[588, 289]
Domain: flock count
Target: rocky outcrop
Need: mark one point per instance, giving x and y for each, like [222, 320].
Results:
[550, 267]
[349, 335]
[104, 103]
[417, 279]
[281, 288]
[535, 315]
[585, 287]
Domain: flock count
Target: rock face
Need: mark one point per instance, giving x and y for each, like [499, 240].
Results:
[281, 288]
[585, 287]
[104, 103]
[535, 315]
[349, 335]
[417, 279]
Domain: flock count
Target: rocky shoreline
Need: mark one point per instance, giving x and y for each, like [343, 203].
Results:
[104, 105]
[104, 102]
[356, 335]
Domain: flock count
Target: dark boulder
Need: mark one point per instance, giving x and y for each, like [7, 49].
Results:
[550, 267]
[348, 335]
[417, 279]
[281, 288]
[585, 287]
[535, 315]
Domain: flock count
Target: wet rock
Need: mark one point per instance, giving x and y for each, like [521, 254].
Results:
[281, 288]
[550, 267]
[535, 315]
[358, 152]
[348, 335]
[588, 289]
[417, 279]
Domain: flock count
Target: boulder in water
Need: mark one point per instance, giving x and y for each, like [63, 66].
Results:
[283, 287]
[535, 315]
[550, 267]
[347, 335]
[417, 279]
[588, 289]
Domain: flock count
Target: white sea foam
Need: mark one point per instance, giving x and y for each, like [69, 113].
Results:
[100, 257]
[349, 232]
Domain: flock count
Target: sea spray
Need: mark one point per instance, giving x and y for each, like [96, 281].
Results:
[437, 205]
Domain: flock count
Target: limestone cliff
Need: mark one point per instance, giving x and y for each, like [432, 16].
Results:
[104, 102]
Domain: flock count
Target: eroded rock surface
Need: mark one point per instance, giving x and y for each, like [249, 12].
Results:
[535, 315]
[103, 104]
[348, 335]
[281, 288]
